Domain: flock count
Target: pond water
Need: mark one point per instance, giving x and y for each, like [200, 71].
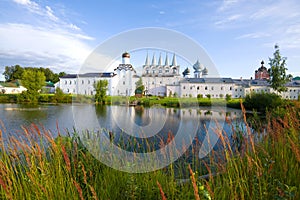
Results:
[130, 129]
[139, 122]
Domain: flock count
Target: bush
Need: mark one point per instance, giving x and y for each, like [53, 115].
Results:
[228, 97]
[199, 96]
[262, 101]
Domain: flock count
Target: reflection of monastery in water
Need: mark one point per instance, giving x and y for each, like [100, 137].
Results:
[162, 78]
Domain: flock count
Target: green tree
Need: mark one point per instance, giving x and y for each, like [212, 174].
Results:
[101, 88]
[228, 97]
[59, 95]
[13, 72]
[139, 87]
[33, 81]
[277, 71]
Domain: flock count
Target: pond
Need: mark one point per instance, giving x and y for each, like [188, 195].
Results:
[129, 128]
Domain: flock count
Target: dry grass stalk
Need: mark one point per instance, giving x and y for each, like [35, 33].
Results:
[295, 148]
[66, 158]
[196, 192]
[78, 189]
[249, 134]
[84, 174]
[162, 194]
[93, 192]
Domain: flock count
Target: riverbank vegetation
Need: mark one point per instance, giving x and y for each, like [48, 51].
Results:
[261, 165]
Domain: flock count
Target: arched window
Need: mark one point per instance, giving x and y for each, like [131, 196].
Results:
[174, 70]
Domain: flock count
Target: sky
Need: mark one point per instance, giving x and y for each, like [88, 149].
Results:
[236, 34]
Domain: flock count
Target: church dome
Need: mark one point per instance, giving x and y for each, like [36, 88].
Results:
[197, 66]
[205, 71]
[126, 55]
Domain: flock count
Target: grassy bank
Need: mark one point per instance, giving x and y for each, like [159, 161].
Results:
[263, 166]
[119, 100]
[172, 102]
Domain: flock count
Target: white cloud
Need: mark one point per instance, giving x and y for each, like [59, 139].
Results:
[227, 20]
[50, 40]
[227, 4]
[280, 10]
[37, 46]
[50, 14]
[30, 5]
[46, 12]
[74, 27]
[254, 35]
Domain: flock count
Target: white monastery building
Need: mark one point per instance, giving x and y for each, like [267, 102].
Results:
[162, 78]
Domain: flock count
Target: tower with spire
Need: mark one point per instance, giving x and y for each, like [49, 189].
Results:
[160, 68]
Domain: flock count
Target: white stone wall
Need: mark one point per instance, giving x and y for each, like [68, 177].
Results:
[12, 90]
[215, 90]
[291, 93]
[81, 85]
[157, 85]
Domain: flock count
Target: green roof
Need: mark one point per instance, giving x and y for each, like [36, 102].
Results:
[297, 78]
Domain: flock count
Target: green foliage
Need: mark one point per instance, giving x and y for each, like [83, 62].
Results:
[228, 97]
[233, 103]
[16, 72]
[277, 71]
[13, 72]
[101, 88]
[199, 96]
[208, 96]
[33, 81]
[261, 102]
[61, 97]
[139, 87]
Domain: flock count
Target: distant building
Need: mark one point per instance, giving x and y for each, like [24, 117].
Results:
[262, 73]
[12, 87]
[163, 79]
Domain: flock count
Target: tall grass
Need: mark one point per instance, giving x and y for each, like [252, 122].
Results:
[266, 165]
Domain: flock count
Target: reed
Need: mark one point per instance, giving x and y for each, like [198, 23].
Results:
[262, 165]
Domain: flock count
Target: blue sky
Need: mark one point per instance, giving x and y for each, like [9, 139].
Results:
[236, 34]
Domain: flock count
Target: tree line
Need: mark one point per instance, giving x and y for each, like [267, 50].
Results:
[16, 72]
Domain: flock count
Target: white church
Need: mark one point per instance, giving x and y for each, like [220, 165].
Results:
[163, 78]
